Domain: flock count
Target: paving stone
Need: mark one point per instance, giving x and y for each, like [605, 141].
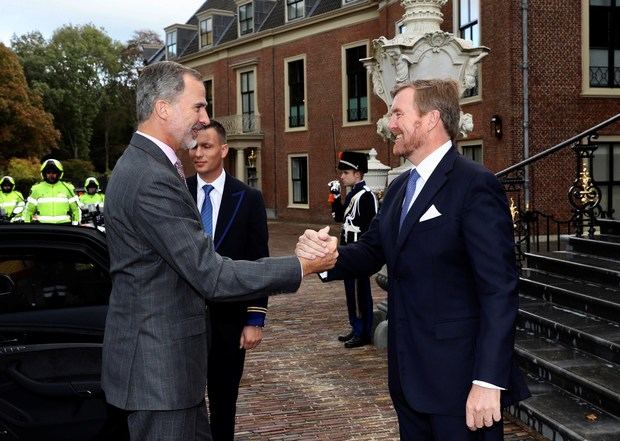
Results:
[302, 384]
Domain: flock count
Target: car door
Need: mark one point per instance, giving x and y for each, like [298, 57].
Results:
[53, 306]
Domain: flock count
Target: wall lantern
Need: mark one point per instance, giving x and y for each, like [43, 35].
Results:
[496, 126]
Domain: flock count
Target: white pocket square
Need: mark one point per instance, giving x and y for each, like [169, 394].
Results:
[431, 213]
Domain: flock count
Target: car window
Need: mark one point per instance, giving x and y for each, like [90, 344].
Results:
[49, 279]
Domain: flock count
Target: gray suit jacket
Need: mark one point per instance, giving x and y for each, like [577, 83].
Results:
[163, 267]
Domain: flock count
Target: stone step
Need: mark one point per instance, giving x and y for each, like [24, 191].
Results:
[560, 416]
[588, 333]
[609, 226]
[590, 298]
[602, 246]
[591, 378]
[577, 265]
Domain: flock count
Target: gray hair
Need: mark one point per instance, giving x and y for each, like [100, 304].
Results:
[160, 81]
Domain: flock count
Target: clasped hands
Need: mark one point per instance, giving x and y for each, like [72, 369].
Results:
[317, 251]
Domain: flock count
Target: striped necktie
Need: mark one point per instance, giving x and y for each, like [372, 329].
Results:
[206, 212]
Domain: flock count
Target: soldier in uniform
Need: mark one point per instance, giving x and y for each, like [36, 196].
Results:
[358, 209]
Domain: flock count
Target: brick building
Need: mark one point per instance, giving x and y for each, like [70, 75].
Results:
[284, 78]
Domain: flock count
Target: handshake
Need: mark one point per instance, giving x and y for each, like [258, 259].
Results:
[317, 251]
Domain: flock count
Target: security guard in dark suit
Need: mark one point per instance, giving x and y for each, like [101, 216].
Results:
[358, 209]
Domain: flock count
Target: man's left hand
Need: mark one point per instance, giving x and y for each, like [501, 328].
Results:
[251, 336]
[482, 407]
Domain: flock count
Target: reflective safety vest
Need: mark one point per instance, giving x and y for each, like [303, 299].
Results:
[92, 199]
[8, 201]
[52, 204]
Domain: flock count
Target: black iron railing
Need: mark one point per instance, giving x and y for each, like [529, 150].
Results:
[537, 231]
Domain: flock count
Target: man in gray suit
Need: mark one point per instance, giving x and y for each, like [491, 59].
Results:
[163, 267]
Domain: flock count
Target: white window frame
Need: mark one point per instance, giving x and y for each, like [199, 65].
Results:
[456, 31]
[287, 109]
[239, 99]
[176, 45]
[345, 92]
[472, 142]
[586, 90]
[291, 204]
[239, 19]
[202, 20]
[287, 19]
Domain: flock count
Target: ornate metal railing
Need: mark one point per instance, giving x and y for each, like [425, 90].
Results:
[241, 124]
[535, 230]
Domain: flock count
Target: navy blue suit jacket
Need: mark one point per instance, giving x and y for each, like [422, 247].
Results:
[452, 296]
[241, 230]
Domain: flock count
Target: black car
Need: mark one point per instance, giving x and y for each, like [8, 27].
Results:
[54, 291]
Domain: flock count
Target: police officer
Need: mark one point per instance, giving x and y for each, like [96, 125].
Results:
[358, 209]
[11, 200]
[52, 201]
[92, 196]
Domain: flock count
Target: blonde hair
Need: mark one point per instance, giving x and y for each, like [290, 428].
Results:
[437, 94]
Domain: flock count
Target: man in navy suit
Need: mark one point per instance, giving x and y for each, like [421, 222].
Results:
[238, 214]
[445, 233]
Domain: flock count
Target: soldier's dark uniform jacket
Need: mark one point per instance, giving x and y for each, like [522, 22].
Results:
[356, 213]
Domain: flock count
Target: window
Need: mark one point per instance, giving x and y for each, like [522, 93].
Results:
[206, 32]
[469, 29]
[49, 279]
[171, 44]
[357, 84]
[294, 9]
[247, 100]
[209, 97]
[473, 152]
[296, 94]
[604, 25]
[246, 19]
[299, 180]
[605, 169]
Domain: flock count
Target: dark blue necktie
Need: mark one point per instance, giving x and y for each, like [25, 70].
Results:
[411, 183]
[206, 212]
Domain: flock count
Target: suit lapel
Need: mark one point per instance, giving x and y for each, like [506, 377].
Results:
[229, 208]
[192, 186]
[436, 180]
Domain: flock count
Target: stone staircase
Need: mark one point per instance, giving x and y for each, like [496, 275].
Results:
[568, 339]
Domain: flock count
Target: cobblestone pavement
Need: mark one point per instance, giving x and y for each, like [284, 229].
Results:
[301, 384]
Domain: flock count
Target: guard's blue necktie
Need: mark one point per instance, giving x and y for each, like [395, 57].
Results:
[206, 212]
[411, 183]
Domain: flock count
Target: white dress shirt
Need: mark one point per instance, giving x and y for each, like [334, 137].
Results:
[215, 195]
[427, 167]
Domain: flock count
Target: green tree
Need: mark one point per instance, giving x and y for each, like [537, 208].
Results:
[71, 71]
[25, 128]
[25, 171]
[116, 120]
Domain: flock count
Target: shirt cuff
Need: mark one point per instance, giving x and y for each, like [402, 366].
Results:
[487, 385]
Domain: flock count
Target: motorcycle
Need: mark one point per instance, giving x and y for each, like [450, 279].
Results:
[93, 217]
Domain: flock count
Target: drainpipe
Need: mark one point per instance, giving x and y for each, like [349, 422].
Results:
[526, 98]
